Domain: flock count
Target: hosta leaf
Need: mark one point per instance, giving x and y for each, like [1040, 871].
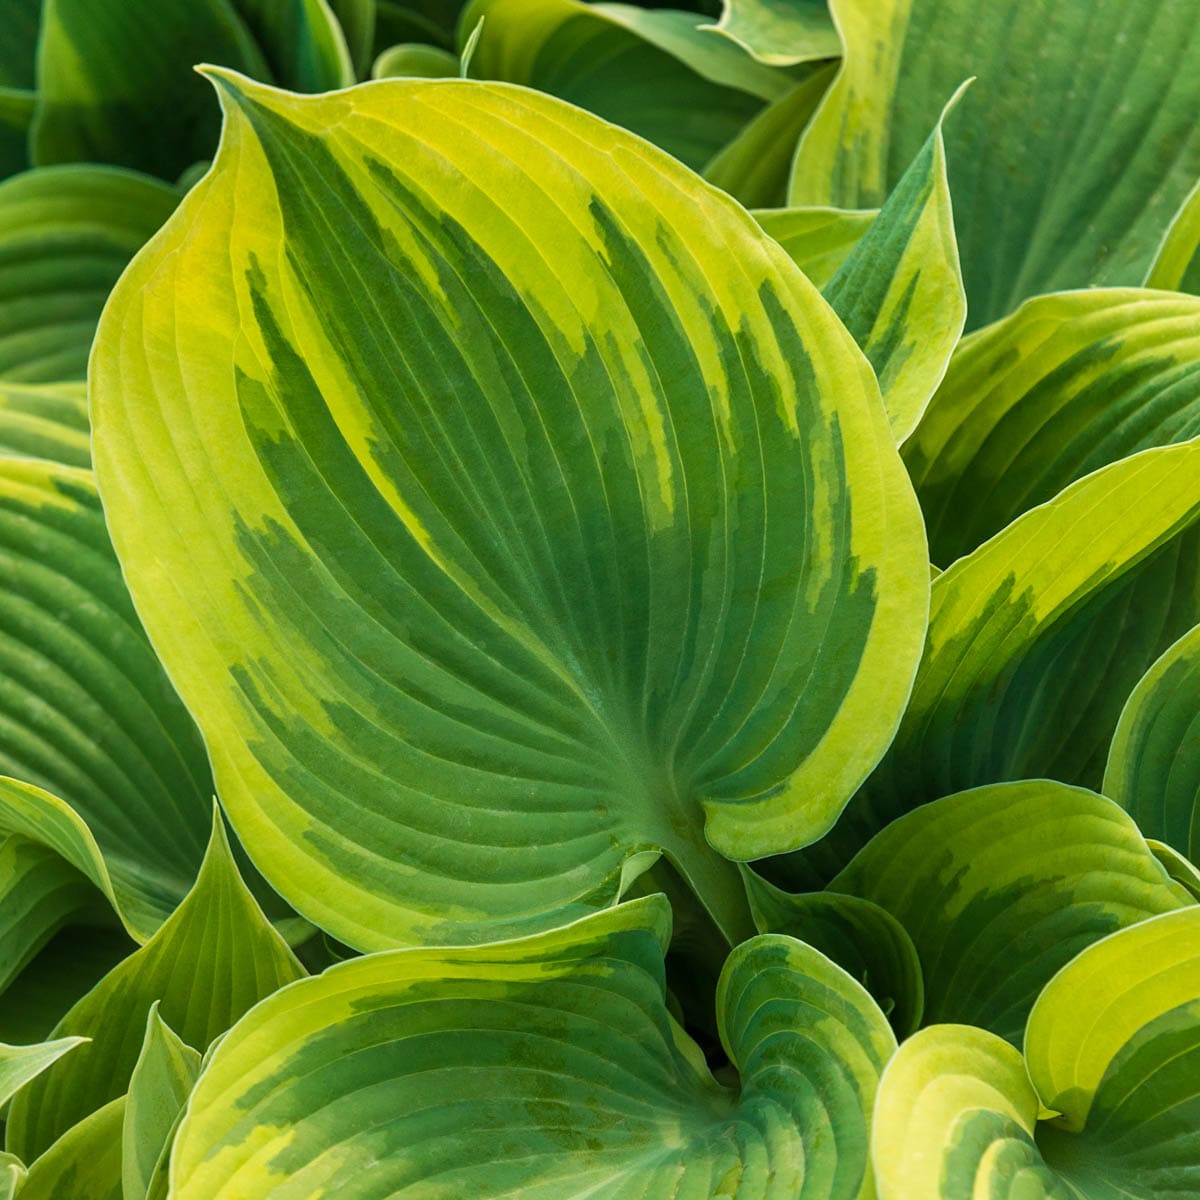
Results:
[47, 420]
[900, 293]
[1114, 1046]
[19, 19]
[1057, 183]
[20, 1064]
[66, 234]
[818, 240]
[956, 1118]
[1000, 886]
[781, 32]
[1111, 1048]
[12, 1175]
[16, 115]
[479, 586]
[86, 713]
[414, 61]
[301, 40]
[1067, 384]
[863, 939]
[40, 893]
[1154, 762]
[357, 19]
[755, 165]
[163, 1077]
[432, 21]
[1176, 267]
[1035, 640]
[84, 1164]
[210, 962]
[70, 965]
[1182, 870]
[115, 78]
[682, 36]
[588, 55]
[558, 1074]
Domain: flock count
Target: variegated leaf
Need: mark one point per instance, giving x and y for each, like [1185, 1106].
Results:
[468, 629]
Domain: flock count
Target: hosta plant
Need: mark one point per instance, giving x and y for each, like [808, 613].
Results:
[537, 660]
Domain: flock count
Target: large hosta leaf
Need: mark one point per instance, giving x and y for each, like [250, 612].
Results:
[115, 79]
[1035, 640]
[488, 570]
[689, 94]
[66, 234]
[1153, 765]
[212, 960]
[1112, 1055]
[546, 1068]
[1067, 159]
[112, 773]
[1064, 386]
[1000, 886]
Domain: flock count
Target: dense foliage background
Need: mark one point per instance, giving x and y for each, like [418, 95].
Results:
[684, 720]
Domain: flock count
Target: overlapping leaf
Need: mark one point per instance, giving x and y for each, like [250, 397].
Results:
[1153, 765]
[20, 1064]
[818, 240]
[864, 939]
[756, 164]
[83, 1164]
[46, 420]
[1111, 1056]
[429, 21]
[115, 78]
[66, 234]
[162, 1079]
[210, 962]
[1067, 159]
[1176, 267]
[40, 893]
[657, 73]
[16, 115]
[899, 291]
[65, 969]
[558, 1074]
[1066, 385]
[18, 47]
[781, 32]
[1035, 640]
[592, 555]
[1001, 886]
[411, 60]
[104, 765]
